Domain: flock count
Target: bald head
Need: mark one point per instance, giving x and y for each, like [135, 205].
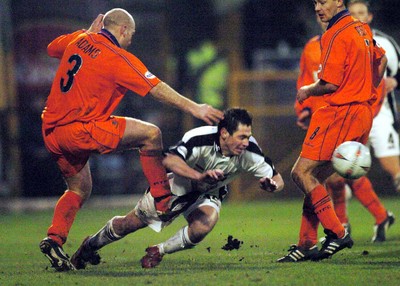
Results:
[121, 24]
[118, 17]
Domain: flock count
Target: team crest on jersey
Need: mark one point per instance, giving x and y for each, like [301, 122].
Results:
[149, 75]
[361, 31]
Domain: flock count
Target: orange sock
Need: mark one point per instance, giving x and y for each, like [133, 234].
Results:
[156, 175]
[309, 226]
[364, 192]
[323, 208]
[64, 215]
[337, 190]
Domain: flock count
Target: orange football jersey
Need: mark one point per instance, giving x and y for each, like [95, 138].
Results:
[93, 76]
[348, 67]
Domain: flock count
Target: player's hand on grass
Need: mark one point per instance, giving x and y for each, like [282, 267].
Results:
[268, 184]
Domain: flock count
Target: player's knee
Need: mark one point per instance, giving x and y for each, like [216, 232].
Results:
[81, 183]
[153, 135]
[199, 229]
[198, 234]
[296, 175]
[207, 227]
[82, 191]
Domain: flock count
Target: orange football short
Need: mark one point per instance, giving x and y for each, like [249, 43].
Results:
[71, 144]
[332, 125]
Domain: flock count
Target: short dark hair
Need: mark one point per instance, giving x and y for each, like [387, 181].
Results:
[232, 118]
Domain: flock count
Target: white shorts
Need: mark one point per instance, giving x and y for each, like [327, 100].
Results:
[383, 138]
[146, 211]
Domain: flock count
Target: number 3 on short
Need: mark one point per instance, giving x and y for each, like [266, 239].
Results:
[65, 87]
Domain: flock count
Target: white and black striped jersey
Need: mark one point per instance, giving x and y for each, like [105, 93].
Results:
[392, 53]
[392, 49]
[200, 149]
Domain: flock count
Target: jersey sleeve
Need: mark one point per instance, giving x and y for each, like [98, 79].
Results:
[132, 74]
[179, 149]
[392, 50]
[57, 47]
[254, 162]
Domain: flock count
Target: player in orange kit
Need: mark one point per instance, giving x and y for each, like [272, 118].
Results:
[94, 73]
[335, 184]
[345, 82]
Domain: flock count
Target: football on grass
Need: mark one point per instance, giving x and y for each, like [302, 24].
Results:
[351, 160]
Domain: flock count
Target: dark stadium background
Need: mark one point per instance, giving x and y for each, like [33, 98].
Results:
[252, 35]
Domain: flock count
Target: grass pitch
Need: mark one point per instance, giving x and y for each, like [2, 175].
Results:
[266, 229]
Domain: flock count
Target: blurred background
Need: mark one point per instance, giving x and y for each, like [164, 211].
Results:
[225, 53]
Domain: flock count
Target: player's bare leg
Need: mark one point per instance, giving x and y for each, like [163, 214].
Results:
[309, 175]
[147, 137]
[392, 166]
[79, 190]
[114, 230]
[201, 221]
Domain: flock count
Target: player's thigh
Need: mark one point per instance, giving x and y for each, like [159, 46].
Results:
[139, 133]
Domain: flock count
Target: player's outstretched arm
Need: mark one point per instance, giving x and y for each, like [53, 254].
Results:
[166, 94]
[178, 166]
